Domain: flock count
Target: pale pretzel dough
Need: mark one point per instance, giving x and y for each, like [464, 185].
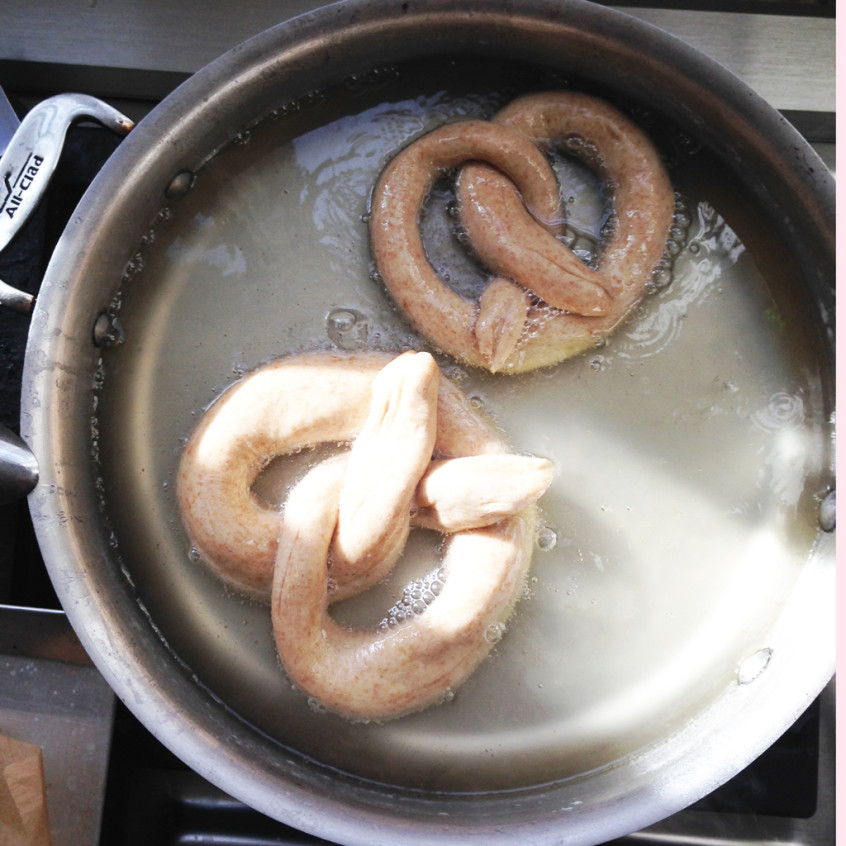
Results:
[401, 413]
[388, 457]
[383, 674]
[305, 400]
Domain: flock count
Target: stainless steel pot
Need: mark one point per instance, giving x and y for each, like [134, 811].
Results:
[126, 614]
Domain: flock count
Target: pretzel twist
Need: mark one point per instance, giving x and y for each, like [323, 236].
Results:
[420, 454]
[543, 304]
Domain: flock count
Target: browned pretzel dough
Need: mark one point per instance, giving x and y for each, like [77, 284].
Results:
[543, 305]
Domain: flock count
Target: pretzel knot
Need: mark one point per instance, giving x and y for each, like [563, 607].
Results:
[542, 304]
[420, 455]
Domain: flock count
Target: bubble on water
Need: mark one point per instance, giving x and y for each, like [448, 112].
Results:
[782, 411]
[316, 706]
[547, 538]
[371, 77]
[342, 319]
[677, 236]
[494, 632]
[597, 362]
[347, 328]
[609, 227]
[574, 143]
[133, 266]
[750, 668]
[417, 596]
[677, 232]
[312, 98]
[662, 276]
[682, 218]
[673, 248]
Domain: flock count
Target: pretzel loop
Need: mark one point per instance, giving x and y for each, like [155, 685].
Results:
[543, 304]
[420, 455]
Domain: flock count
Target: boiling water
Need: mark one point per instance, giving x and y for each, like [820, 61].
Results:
[690, 449]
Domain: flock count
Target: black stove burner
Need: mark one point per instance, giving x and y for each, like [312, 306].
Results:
[154, 800]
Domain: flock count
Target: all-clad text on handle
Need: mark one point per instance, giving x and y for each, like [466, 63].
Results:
[31, 158]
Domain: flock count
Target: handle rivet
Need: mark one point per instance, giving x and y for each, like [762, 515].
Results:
[181, 184]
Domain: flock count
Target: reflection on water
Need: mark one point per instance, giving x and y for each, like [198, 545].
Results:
[341, 159]
[712, 249]
[782, 411]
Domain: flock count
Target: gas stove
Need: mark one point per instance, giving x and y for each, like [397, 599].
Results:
[128, 789]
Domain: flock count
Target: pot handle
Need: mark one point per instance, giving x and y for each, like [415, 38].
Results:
[29, 162]
[26, 167]
[18, 467]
